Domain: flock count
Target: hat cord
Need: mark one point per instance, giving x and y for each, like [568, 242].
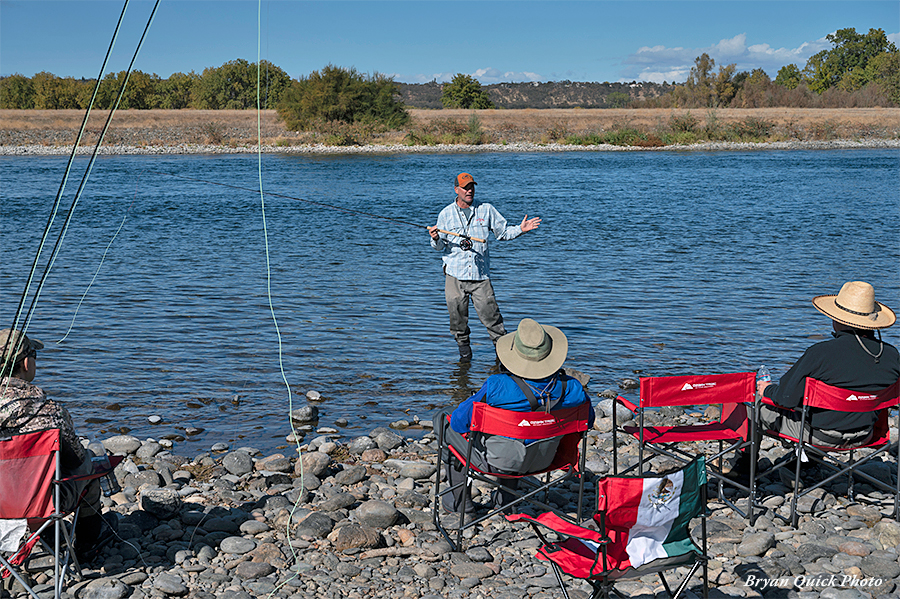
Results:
[865, 349]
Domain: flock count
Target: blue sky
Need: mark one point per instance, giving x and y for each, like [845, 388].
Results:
[418, 41]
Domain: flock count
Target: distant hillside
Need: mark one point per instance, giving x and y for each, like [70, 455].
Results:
[553, 94]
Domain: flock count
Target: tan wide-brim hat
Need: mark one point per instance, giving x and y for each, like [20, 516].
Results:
[534, 351]
[855, 306]
[14, 345]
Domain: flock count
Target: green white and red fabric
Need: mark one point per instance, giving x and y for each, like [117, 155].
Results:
[646, 521]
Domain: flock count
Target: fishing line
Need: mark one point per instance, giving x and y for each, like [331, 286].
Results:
[55, 253]
[99, 266]
[62, 186]
[323, 204]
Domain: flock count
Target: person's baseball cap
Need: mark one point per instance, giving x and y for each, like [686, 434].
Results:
[16, 345]
[464, 179]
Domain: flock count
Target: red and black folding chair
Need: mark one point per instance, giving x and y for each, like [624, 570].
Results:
[30, 504]
[643, 527]
[569, 423]
[733, 432]
[818, 395]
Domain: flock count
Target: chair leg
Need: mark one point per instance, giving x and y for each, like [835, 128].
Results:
[850, 477]
[559, 579]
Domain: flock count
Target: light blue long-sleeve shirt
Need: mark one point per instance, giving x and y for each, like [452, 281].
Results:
[474, 264]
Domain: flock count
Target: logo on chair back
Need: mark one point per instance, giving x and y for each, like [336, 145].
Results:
[527, 422]
[662, 493]
[860, 397]
[690, 387]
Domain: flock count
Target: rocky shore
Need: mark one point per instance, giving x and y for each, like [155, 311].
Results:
[186, 148]
[351, 518]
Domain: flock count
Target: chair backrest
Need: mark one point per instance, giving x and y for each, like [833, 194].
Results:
[652, 513]
[27, 470]
[693, 390]
[819, 395]
[529, 425]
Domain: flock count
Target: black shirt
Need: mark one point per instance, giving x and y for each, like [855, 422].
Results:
[839, 362]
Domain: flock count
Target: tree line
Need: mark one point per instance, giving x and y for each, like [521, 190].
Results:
[859, 70]
[230, 86]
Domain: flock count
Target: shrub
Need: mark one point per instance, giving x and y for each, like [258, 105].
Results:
[338, 94]
[683, 123]
[751, 128]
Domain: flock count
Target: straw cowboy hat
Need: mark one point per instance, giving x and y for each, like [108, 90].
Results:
[534, 351]
[855, 306]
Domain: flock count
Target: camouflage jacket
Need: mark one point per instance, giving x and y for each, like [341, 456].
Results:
[24, 408]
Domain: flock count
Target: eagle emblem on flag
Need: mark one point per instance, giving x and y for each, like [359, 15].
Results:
[662, 494]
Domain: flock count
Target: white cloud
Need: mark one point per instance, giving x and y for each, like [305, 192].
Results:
[895, 38]
[659, 63]
[485, 76]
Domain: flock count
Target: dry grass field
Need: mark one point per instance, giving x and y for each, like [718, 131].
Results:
[239, 127]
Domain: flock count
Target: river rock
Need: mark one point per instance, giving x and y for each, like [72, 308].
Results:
[417, 470]
[253, 570]
[756, 543]
[315, 525]
[312, 462]
[352, 536]
[105, 588]
[350, 476]
[238, 462]
[122, 444]
[377, 514]
[388, 440]
[170, 584]
[305, 414]
[162, 503]
[237, 545]
[360, 445]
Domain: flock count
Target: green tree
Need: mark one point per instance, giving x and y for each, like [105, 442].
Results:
[725, 88]
[16, 91]
[175, 92]
[884, 70]
[701, 82]
[464, 91]
[847, 61]
[339, 94]
[789, 76]
[618, 99]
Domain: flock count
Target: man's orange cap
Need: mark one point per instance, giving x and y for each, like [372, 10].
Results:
[464, 179]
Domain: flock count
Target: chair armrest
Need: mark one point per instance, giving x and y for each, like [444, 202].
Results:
[561, 526]
[627, 404]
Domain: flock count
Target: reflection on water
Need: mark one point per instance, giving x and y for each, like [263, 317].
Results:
[652, 263]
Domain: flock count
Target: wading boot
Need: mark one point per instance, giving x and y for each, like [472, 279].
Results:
[465, 353]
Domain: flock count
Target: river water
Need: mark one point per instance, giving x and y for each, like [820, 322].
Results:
[652, 263]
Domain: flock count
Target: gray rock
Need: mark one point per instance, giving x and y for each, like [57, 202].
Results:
[360, 444]
[351, 475]
[220, 525]
[253, 527]
[122, 444]
[253, 570]
[479, 554]
[756, 543]
[313, 395]
[605, 407]
[337, 502]
[887, 532]
[876, 567]
[472, 570]
[238, 462]
[148, 449]
[150, 478]
[170, 584]
[237, 545]
[348, 570]
[810, 552]
[315, 525]
[162, 503]
[377, 514]
[219, 447]
[305, 414]
[105, 588]
[312, 462]
[417, 470]
[388, 440]
[411, 499]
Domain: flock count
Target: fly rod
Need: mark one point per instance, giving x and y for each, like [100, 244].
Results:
[350, 210]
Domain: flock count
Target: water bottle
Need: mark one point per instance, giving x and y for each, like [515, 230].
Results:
[763, 374]
[108, 484]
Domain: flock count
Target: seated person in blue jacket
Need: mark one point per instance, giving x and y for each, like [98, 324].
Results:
[532, 380]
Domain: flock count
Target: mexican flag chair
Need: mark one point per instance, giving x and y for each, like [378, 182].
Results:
[730, 434]
[642, 528]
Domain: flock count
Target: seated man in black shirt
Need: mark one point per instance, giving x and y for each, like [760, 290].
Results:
[854, 359]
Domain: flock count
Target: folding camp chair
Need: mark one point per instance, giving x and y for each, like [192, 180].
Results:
[569, 423]
[30, 464]
[818, 395]
[733, 431]
[643, 527]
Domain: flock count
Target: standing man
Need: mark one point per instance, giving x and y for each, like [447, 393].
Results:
[467, 262]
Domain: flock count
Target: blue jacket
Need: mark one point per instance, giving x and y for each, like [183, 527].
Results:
[501, 391]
